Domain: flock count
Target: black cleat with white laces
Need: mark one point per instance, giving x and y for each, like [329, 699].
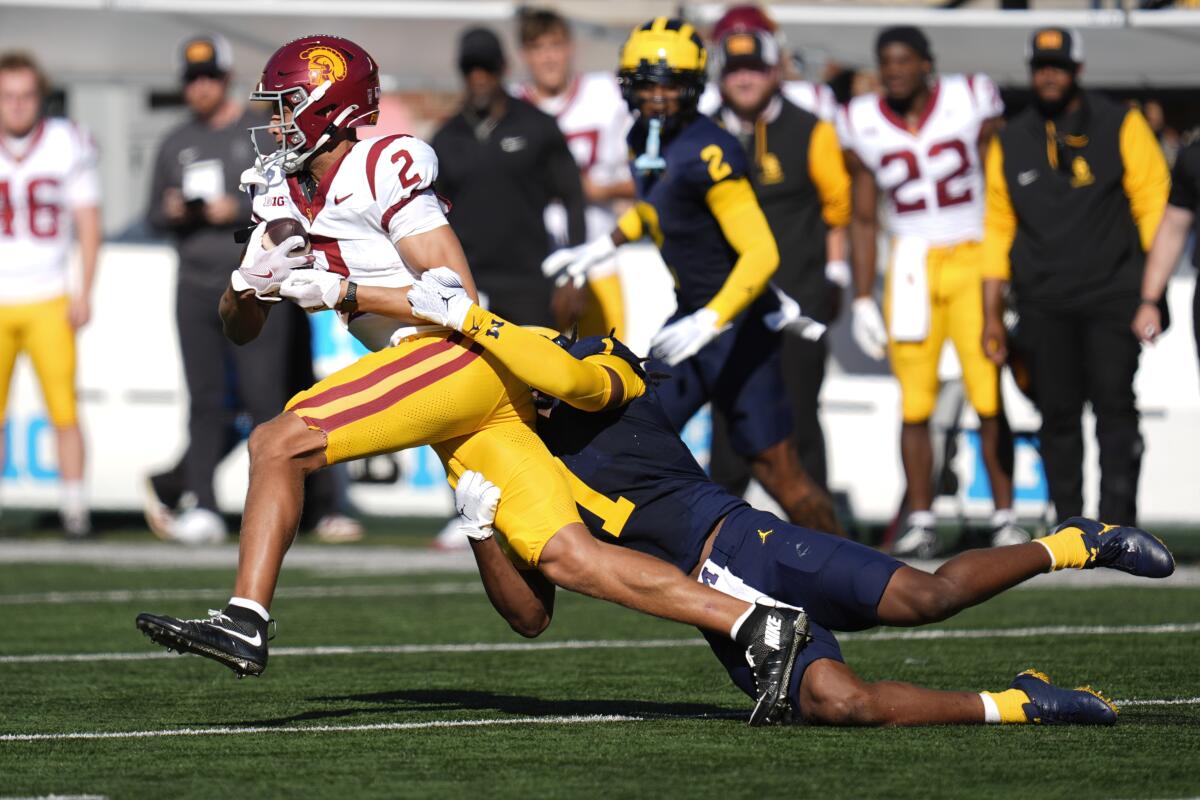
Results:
[238, 644]
[775, 637]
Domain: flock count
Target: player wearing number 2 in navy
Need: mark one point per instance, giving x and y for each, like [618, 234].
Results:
[697, 204]
[920, 145]
[637, 486]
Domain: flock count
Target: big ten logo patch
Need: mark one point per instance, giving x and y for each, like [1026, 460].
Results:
[29, 445]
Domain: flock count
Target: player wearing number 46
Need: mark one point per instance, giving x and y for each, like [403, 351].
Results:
[696, 202]
[920, 143]
[49, 197]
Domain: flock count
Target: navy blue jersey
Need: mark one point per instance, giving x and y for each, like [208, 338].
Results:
[692, 244]
[634, 480]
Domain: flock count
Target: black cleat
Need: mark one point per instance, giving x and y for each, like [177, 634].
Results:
[780, 634]
[241, 646]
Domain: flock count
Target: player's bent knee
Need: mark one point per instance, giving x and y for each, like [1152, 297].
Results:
[832, 695]
[286, 440]
[566, 559]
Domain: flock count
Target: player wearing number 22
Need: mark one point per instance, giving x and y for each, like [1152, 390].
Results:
[697, 204]
[374, 221]
[920, 144]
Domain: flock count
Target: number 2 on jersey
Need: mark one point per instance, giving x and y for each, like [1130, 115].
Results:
[408, 178]
[945, 196]
[715, 158]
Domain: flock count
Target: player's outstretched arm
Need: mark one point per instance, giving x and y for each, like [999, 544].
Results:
[592, 384]
[736, 209]
[524, 598]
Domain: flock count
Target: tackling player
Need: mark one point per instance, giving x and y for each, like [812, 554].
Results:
[374, 222]
[920, 145]
[593, 117]
[697, 204]
[637, 486]
[49, 197]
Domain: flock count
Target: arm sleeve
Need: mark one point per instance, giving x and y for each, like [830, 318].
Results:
[745, 226]
[999, 220]
[630, 224]
[828, 171]
[1146, 180]
[1183, 180]
[593, 384]
[563, 182]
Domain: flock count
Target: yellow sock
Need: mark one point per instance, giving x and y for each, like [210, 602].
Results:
[1067, 549]
[1007, 706]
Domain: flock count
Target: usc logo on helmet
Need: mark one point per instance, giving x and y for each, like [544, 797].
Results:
[324, 64]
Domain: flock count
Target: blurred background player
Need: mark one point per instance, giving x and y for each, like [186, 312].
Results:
[593, 117]
[503, 162]
[698, 205]
[1179, 220]
[815, 97]
[1076, 187]
[49, 198]
[801, 182]
[195, 197]
[920, 144]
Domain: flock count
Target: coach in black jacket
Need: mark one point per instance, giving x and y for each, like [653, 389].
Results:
[501, 161]
[1076, 185]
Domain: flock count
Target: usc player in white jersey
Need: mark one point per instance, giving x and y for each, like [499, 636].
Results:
[920, 145]
[594, 119]
[49, 198]
[375, 226]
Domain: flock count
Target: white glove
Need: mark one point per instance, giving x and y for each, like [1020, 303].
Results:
[838, 273]
[264, 271]
[573, 263]
[439, 297]
[789, 317]
[312, 289]
[866, 323]
[684, 337]
[476, 498]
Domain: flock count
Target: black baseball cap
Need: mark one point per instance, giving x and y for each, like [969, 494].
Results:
[1058, 47]
[207, 56]
[479, 48]
[748, 50]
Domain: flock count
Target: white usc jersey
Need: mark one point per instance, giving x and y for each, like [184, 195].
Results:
[595, 121]
[43, 179]
[379, 193]
[932, 176]
[815, 98]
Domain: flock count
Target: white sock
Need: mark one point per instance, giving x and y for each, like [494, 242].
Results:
[991, 711]
[922, 519]
[73, 498]
[243, 602]
[737, 625]
[1003, 516]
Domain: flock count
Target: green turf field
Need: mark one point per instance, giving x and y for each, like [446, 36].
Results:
[605, 703]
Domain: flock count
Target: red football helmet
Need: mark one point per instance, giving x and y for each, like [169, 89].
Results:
[742, 19]
[326, 84]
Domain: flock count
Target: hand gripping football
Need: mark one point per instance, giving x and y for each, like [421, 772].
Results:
[282, 229]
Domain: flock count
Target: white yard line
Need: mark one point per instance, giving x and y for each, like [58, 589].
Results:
[589, 719]
[633, 644]
[296, 592]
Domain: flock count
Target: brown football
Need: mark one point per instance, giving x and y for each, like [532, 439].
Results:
[282, 229]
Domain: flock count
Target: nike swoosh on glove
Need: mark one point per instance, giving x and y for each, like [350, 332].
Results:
[866, 323]
[264, 271]
[790, 318]
[440, 297]
[476, 498]
[312, 289]
[573, 263]
[684, 337]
